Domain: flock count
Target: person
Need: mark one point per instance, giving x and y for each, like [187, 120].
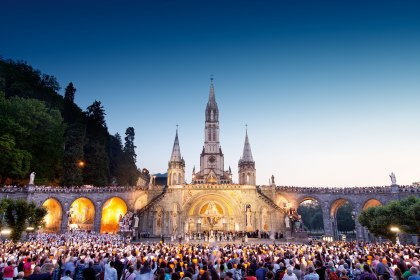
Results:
[89, 273]
[298, 272]
[8, 271]
[129, 274]
[367, 273]
[110, 272]
[37, 275]
[27, 268]
[312, 275]
[67, 275]
[289, 274]
[320, 270]
[414, 273]
[261, 271]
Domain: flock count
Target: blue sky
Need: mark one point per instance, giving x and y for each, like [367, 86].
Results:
[330, 90]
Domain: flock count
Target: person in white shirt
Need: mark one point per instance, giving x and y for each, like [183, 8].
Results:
[290, 275]
[110, 272]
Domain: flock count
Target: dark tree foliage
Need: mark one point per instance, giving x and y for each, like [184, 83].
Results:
[20, 79]
[19, 214]
[403, 214]
[33, 132]
[311, 214]
[116, 157]
[52, 133]
[73, 160]
[69, 93]
[344, 217]
[96, 170]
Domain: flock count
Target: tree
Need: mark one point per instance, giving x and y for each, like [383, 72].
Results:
[400, 213]
[96, 170]
[345, 220]
[35, 133]
[19, 214]
[14, 163]
[69, 93]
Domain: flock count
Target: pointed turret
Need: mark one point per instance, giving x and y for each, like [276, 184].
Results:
[212, 111]
[247, 154]
[176, 165]
[176, 150]
[246, 165]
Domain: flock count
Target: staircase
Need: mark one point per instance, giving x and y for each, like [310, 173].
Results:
[153, 201]
[267, 200]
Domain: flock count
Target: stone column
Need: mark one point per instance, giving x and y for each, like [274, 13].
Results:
[64, 218]
[359, 228]
[98, 217]
[328, 222]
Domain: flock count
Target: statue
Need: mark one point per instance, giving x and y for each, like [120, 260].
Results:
[287, 221]
[32, 178]
[248, 216]
[272, 180]
[393, 179]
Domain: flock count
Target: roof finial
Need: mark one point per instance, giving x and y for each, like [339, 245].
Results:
[211, 78]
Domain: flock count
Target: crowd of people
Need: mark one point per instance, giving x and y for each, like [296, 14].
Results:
[87, 188]
[350, 190]
[82, 255]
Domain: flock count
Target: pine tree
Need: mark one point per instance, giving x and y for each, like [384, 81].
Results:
[69, 93]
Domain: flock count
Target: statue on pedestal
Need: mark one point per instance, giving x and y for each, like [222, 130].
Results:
[393, 179]
[32, 178]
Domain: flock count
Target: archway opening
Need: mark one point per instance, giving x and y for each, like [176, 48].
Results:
[113, 211]
[343, 214]
[81, 214]
[371, 203]
[54, 215]
[311, 217]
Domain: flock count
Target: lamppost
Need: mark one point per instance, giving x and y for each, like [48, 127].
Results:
[397, 231]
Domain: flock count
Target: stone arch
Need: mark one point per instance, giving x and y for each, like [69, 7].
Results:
[228, 217]
[82, 214]
[334, 208]
[309, 209]
[54, 216]
[372, 202]
[113, 210]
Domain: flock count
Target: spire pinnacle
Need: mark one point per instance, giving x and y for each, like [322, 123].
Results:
[247, 154]
[212, 111]
[176, 150]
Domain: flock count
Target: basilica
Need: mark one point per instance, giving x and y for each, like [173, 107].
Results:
[212, 202]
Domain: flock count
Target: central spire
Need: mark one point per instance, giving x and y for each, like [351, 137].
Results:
[176, 150]
[212, 111]
[247, 154]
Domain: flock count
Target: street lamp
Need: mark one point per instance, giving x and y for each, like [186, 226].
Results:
[81, 164]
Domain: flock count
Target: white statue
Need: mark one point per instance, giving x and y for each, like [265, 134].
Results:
[136, 221]
[287, 221]
[32, 178]
[248, 217]
[393, 179]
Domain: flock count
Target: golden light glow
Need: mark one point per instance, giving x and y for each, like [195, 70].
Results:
[82, 213]
[81, 163]
[113, 210]
[371, 203]
[6, 231]
[53, 218]
[394, 229]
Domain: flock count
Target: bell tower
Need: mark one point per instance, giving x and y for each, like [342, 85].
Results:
[176, 165]
[246, 165]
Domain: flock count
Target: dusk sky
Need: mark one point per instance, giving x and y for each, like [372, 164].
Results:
[330, 90]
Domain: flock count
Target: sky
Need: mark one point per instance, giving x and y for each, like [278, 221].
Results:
[330, 90]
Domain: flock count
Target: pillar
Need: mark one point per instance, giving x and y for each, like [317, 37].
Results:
[98, 217]
[328, 222]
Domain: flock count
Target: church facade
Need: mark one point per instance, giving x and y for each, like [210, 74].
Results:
[212, 201]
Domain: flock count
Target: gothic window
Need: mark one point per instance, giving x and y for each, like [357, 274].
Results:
[209, 134]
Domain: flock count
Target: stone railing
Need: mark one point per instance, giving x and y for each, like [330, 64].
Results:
[351, 190]
[83, 189]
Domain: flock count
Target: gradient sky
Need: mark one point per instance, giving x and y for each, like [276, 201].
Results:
[330, 90]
